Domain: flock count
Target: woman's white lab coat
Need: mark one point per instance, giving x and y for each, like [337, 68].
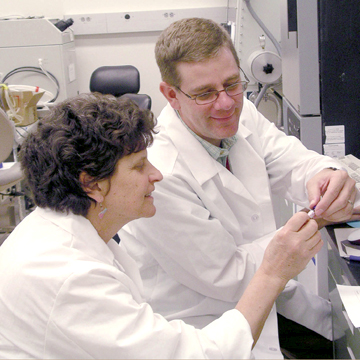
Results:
[206, 241]
[65, 293]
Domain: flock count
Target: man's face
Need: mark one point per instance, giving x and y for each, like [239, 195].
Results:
[217, 120]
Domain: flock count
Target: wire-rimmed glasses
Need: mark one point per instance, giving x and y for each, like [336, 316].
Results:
[211, 96]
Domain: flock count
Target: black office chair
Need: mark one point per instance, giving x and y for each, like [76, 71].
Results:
[120, 80]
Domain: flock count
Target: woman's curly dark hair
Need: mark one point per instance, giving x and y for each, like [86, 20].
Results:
[89, 133]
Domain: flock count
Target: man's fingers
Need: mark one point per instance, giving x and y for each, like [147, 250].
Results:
[336, 194]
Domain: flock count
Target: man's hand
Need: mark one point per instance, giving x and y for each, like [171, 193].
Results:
[333, 193]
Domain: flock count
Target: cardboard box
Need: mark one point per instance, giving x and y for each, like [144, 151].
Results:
[25, 105]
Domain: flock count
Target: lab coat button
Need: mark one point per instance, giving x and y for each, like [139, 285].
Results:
[273, 349]
[255, 217]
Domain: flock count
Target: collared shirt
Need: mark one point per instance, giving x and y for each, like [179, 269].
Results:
[221, 153]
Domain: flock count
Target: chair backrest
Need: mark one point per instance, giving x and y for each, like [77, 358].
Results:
[6, 136]
[120, 80]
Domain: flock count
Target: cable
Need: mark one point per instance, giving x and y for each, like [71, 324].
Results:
[261, 94]
[36, 70]
[49, 77]
[262, 25]
[271, 97]
[277, 94]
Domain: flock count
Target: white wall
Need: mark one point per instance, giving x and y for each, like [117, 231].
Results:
[93, 51]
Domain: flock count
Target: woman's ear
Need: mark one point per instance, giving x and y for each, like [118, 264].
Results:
[91, 187]
[171, 95]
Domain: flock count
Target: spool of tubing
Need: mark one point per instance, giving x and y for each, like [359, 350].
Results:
[261, 59]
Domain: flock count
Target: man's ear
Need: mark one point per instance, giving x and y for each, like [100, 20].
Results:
[92, 188]
[171, 95]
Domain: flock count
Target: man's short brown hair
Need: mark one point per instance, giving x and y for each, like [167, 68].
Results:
[189, 40]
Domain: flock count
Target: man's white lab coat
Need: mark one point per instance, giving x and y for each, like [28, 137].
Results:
[206, 241]
[65, 293]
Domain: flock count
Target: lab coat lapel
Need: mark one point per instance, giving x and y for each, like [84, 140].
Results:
[202, 166]
[128, 265]
[249, 167]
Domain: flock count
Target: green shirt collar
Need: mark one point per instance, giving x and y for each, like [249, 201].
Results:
[221, 153]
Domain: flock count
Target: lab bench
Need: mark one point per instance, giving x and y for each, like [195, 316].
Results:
[342, 272]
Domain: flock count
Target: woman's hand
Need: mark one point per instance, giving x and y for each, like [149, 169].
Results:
[292, 247]
[286, 256]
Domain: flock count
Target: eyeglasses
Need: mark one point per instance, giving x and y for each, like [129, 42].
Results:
[211, 96]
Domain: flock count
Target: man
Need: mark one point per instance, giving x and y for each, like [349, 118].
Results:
[215, 213]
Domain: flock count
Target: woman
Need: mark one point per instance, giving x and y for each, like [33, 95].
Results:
[67, 290]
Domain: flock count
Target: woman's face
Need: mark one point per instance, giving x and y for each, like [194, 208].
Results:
[129, 197]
